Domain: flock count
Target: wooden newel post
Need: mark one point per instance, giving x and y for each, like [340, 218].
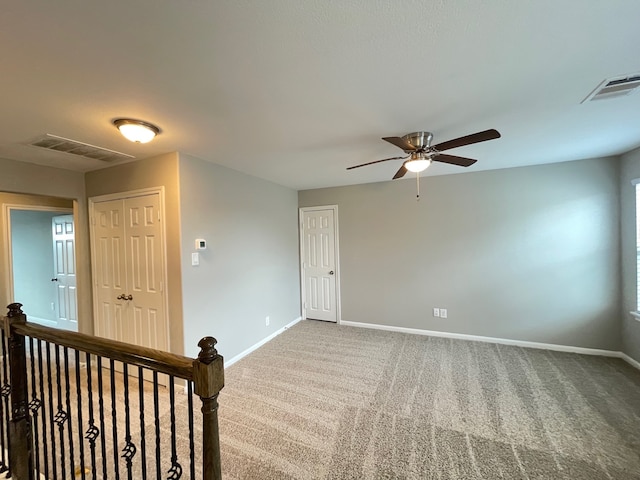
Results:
[20, 454]
[208, 379]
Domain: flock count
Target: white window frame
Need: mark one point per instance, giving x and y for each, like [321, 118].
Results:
[636, 185]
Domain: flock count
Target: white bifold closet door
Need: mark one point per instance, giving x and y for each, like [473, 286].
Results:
[128, 271]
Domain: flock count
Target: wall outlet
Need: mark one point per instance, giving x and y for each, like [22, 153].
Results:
[443, 313]
[436, 312]
[266, 321]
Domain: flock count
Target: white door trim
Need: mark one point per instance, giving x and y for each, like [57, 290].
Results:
[303, 295]
[6, 212]
[121, 196]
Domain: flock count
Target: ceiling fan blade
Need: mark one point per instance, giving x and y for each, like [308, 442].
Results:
[400, 173]
[468, 140]
[454, 160]
[400, 143]
[376, 161]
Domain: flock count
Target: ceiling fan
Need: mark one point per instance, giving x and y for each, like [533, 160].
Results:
[420, 153]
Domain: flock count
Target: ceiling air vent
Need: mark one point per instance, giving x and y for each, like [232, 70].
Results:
[615, 87]
[66, 145]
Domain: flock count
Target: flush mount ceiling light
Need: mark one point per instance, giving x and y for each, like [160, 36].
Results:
[136, 130]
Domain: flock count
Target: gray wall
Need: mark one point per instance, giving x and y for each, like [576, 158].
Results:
[250, 268]
[50, 187]
[528, 253]
[33, 263]
[630, 170]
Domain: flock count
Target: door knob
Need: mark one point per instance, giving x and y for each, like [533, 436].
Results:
[331, 272]
[129, 297]
[121, 297]
[54, 279]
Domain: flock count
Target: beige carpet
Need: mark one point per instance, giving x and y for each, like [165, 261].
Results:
[323, 401]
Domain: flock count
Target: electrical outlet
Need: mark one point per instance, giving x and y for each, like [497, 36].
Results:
[266, 321]
[443, 313]
[436, 312]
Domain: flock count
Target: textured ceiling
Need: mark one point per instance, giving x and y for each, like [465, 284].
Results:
[296, 91]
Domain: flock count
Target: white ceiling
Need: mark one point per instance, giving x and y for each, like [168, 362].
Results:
[295, 91]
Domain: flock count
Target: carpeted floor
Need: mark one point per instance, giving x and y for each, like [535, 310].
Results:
[323, 401]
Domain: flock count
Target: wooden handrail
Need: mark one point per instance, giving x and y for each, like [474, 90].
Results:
[162, 362]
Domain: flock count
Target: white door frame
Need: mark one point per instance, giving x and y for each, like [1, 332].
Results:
[303, 295]
[94, 282]
[8, 207]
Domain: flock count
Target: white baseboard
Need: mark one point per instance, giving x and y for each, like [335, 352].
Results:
[502, 341]
[629, 360]
[458, 336]
[228, 363]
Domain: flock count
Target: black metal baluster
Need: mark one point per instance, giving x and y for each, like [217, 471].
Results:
[129, 449]
[143, 449]
[175, 472]
[192, 452]
[114, 418]
[61, 415]
[5, 391]
[156, 413]
[79, 395]
[54, 458]
[44, 412]
[101, 408]
[34, 406]
[72, 459]
[92, 432]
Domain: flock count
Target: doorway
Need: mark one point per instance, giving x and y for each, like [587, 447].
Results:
[42, 264]
[319, 266]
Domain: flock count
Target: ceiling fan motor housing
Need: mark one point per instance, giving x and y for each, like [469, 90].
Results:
[420, 140]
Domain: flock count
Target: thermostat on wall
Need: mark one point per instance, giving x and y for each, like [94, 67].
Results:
[201, 244]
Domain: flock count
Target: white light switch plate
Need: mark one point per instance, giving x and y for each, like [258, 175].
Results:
[195, 259]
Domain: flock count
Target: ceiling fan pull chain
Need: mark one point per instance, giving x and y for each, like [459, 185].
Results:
[418, 183]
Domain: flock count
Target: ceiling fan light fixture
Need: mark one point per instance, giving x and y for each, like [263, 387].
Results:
[417, 147]
[136, 131]
[418, 165]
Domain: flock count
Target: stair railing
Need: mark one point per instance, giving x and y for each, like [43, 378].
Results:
[60, 384]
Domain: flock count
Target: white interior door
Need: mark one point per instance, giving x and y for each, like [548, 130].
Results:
[109, 269]
[144, 272]
[64, 278]
[319, 265]
[129, 270]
